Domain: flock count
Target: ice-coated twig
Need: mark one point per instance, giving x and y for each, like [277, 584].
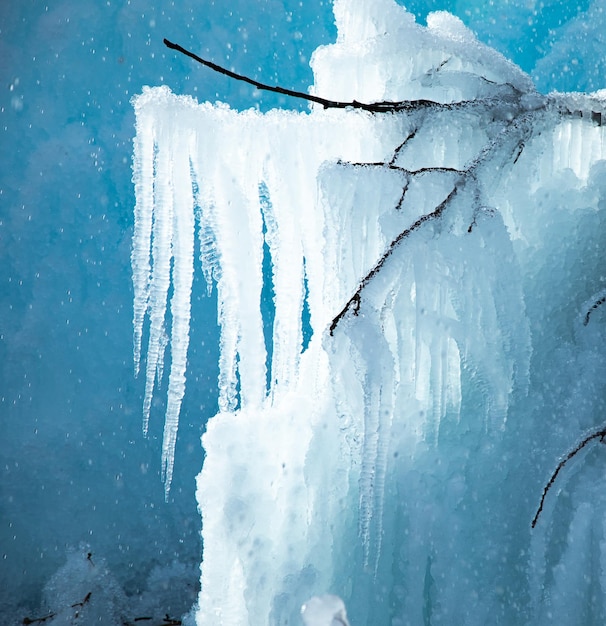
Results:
[399, 149]
[391, 166]
[598, 434]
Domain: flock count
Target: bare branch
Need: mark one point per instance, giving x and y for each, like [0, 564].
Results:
[373, 107]
[598, 434]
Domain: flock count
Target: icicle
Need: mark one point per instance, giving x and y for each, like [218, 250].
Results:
[285, 247]
[380, 394]
[182, 276]
[239, 237]
[143, 178]
[162, 232]
[209, 256]
[165, 219]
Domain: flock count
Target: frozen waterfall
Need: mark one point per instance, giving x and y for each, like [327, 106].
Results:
[448, 254]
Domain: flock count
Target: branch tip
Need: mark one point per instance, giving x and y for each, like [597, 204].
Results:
[599, 433]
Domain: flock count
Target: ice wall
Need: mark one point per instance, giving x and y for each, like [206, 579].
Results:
[448, 255]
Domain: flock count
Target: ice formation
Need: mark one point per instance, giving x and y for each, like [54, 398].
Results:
[324, 610]
[448, 254]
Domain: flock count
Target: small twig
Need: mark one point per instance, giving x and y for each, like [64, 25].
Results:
[86, 599]
[593, 307]
[397, 168]
[520, 149]
[442, 64]
[396, 152]
[37, 620]
[485, 210]
[600, 433]
[402, 196]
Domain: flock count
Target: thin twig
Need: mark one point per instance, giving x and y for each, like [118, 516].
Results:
[593, 307]
[355, 299]
[37, 620]
[600, 433]
[397, 168]
[397, 151]
[373, 107]
[86, 599]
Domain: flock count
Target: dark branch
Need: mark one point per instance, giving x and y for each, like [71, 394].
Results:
[38, 620]
[402, 145]
[402, 196]
[397, 168]
[593, 307]
[599, 434]
[373, 107]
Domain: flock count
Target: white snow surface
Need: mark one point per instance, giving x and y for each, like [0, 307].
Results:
[436, 249]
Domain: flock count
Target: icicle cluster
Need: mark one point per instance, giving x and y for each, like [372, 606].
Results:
[217, 166]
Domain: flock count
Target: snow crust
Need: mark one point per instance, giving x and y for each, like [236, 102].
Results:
[435, 250]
